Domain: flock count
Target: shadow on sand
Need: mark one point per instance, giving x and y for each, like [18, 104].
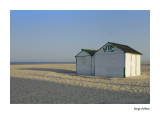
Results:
[64, 71]
[73, 73]
[51, 70]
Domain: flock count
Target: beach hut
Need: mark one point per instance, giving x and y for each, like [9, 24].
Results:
[111, 60]
[85, 62]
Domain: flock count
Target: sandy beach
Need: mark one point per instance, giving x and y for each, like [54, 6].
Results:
[59, 84]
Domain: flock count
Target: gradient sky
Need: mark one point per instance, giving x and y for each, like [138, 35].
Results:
[58, 35]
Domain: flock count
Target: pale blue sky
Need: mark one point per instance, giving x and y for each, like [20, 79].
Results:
[58, 35]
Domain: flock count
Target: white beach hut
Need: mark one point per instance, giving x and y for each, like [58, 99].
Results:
[111, 60]
[85, 62]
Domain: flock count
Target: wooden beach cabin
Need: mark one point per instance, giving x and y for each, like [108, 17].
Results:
[111, 60]
[85, 61]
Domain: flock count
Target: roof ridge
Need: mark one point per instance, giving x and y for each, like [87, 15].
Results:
[118, 44]
[125, 48]
[89, 51]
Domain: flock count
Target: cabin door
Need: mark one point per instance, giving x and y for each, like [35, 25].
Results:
[131, 65]
[136, 65]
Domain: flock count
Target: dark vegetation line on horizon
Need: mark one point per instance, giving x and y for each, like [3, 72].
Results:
[42, 62]
[50, 62]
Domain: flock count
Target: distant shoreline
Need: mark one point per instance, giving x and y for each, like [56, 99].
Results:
[21, 63]
[17, 63]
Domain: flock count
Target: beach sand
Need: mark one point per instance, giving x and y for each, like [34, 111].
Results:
[59, 84]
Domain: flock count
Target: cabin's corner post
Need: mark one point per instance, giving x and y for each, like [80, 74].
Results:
[140, 65]
[124, 72]
[76, 65]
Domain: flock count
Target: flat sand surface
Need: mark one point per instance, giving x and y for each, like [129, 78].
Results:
[59, 84]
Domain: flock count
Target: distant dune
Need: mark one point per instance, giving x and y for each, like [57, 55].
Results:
[59, 83]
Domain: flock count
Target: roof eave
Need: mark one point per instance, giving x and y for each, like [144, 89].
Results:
[123, 50]
[133, 53]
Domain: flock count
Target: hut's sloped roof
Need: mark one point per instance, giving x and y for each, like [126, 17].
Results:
[125, 48]
[89, 51]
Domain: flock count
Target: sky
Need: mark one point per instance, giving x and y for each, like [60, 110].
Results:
[59, 35]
